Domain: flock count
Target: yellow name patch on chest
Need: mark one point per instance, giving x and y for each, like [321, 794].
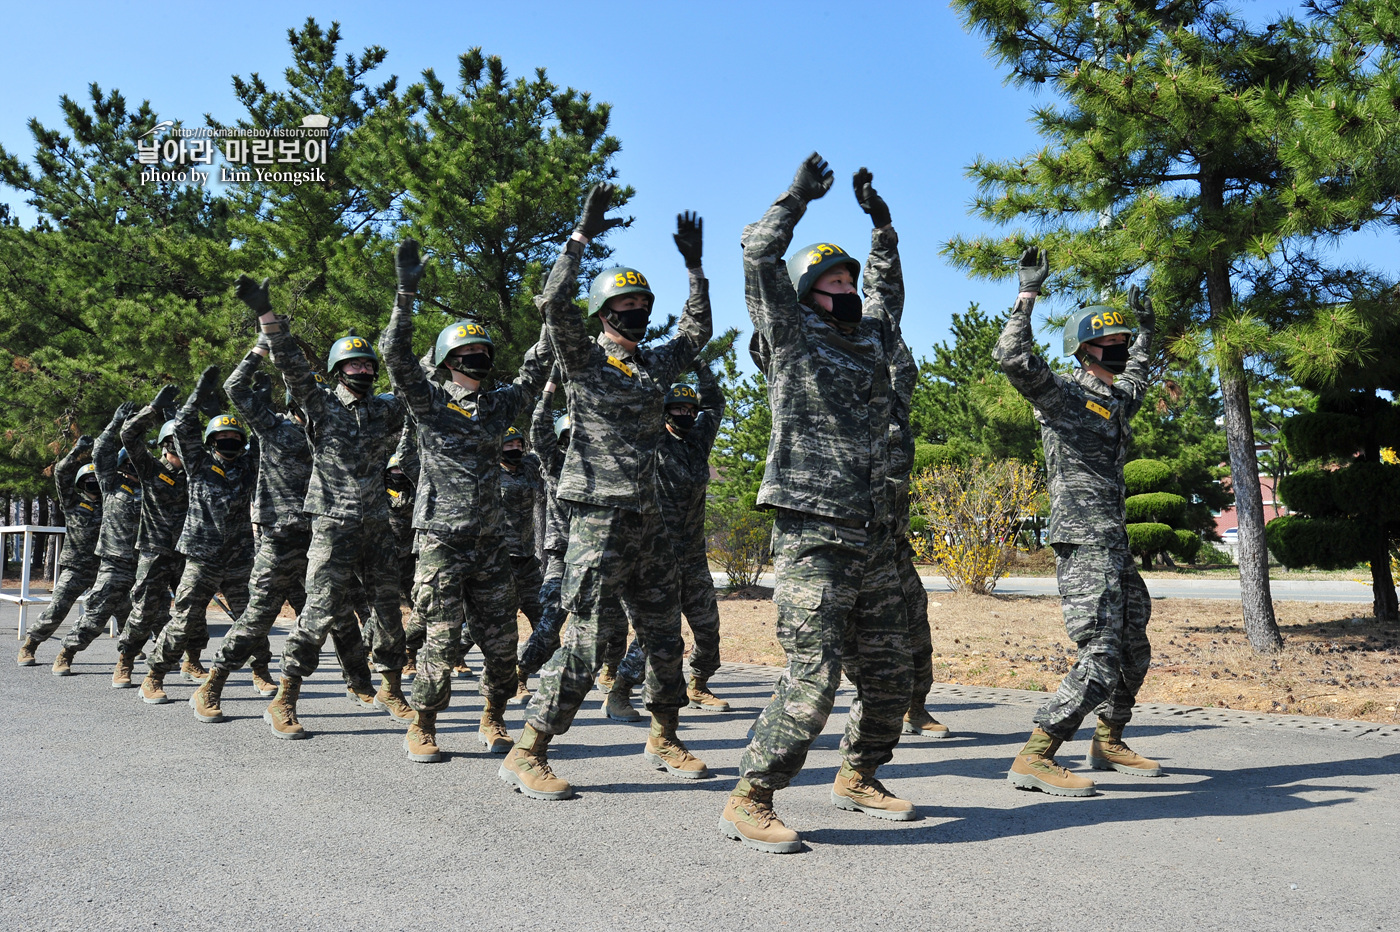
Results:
[459, 409]
[620, 366]
[166, 479]
[392, 493]
[85, 506]
[1098, 409]
[218, 470]
[128, 490]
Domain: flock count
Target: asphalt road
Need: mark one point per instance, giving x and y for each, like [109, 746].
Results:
[121, 815]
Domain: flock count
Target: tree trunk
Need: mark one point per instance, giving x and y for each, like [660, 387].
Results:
[42, 549]
[1383, 601]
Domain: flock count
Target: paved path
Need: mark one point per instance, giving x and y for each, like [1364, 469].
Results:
[121, 815]
[1283, 590]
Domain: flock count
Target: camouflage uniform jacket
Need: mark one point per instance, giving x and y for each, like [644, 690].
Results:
[284, 456]
[829, 391]
[82, 519]
[165, 488]
[683, 468]
[904, 374]
[616, 394]
[518, 491]
[1084, 426]
[401, 502]
[350, 439]
[546, 444]
[460, 433]
[219, 525]
[121, 501]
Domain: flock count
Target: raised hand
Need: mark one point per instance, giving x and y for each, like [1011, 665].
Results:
[84, 445]
[408, 265]
[813, 178]
[689, 237]
[166, 397]
[206, 393]
[260, 386]
[1141, 306]
[870, 202]
[593, 223]
[1034, 269]
[253, 294]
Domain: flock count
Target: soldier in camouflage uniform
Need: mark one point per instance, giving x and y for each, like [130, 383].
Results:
[80, 497]
[217, 539]
[683, 475]
[618, 547]
[116, 544]
[163, 507]
[351, 431]
[1085, 428]
[549, 435]
[827, 355]
[521, 484]
[464, 560]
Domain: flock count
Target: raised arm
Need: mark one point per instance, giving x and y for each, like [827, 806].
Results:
[711, 407]
[252, 402]
[67, 468]
[562, 319]
[1015, 350]
[883, 275]
[696, 325]
[1134, 381]
[767, 289]
[286, 354]
[189, 420]
[104, 451]
[133, 434]
[542, 439]
[411, 384]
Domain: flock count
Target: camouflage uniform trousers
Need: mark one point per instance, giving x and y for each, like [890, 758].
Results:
[1106, 608]
[157, 575]
[189, 624]
[111, 595]
[528, 580]
[701, 611]
[544, 640]
[920, 635]
[464, 575]
[615, 558]
[345, 558]
[72, 582]
[840, 604]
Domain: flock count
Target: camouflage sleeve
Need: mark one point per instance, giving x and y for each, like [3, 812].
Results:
[1133, 382]
[711, 408]
[63, 472]
[563, 322]
[542, 439]
[767, 289]
[1015, 353]
[410, 383]
[884, 276]
[296, 372]
[693, 332]
[239, 388]
[104, 457]
[189, 436]
[133, 434]
[407, 450]
[253, 460]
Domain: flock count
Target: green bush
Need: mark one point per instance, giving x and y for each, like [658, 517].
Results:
[1310, 491]
[932, 455]
[1156, 508]
[1143, 476]
[1326, 543]
[1149, 538]
[1211, 555]
[1188, 544]
[1317, 435]
[1370, 491]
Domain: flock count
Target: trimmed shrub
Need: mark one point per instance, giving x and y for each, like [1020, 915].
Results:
[1156, 508]
[1143, 476]
[1211, 555]
[1188, 544]
[1150, 538]
[1370, 491]
[1309, 491]
[1326, 543]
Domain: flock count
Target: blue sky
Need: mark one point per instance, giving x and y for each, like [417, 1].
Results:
[715, 105]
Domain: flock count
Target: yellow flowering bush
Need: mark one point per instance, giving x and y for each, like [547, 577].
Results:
[973, 512]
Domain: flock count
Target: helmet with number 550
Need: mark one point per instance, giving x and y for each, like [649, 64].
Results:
[1090, 323]
[810, 262]
[614, 283]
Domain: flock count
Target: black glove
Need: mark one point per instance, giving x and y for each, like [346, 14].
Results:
[166, 397]
[260, 387]
[813, 178]
[1034, 269]
[593, 224]
[870, 202]
[1141, 306]
[124, 410]
[253, 294]
[84, 445]
[689, 237]
[206, 393]
[408, 265]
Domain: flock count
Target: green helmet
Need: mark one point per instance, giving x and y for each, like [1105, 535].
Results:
[88, 470]
[513, 434]
[167, 431]
[462, 333]
[562, 423]
[224, 422]
[393, 463]
[351, 347]
[614, 283]
[681, 394]
[811, 262]
[1090, 323]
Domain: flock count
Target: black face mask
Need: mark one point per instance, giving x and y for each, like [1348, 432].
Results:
[88, 490]
[513, 457]
[631, 324]
[1115, 357]
[360, 383]
[680, 423]
[846, 308]
[472, 365]
[229, 446]
[398, 482]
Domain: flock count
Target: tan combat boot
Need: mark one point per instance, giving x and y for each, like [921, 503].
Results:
[1035, 769]
[492, 731]
[153, 689]
[205, 700]
[917, 721]
[607, 677]
[191, 669]
[390, 697]
[1108, 752]
[701, 698]
[121, 673]
[27, 653]
[420, 742]
[411, 668]
[618, 705]
[282, 713]
[527, 769]
[860, 792]
[263, 683]
[63, 663]
[362, 694]
[749, 818]
[665, 751]
[461, 671]
[522, 686]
